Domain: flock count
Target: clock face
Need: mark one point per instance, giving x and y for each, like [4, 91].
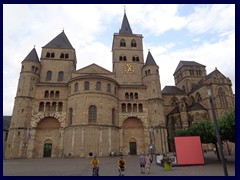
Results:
[129, 68]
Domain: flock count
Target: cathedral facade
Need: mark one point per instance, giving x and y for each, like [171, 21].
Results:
[60, 110]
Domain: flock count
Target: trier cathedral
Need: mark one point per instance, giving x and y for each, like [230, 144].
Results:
[60, 110]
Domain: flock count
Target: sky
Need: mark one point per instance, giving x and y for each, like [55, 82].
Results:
[203, 33]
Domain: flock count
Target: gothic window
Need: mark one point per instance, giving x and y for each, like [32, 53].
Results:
[52, 55]
[140, 108]
[70, 114]
[60, 76]
[36, 70]
[134, 107]
[122, 43]
[120, 58]
[109, 88]
[113, 116]
[33, 68]
[148, 71]
[46, 94]
[86, 85]
[48, 55]
[126, 95]
[66, 56]
[198, 97]
[133, 43]
[174, 102]
[54, 105]
[133, 58]
[51, 94]
[222, 98]
[98, 86]
[62, 56]
[57, 94]
[76, 87]
[60, 105]
[123, 107]
[41, 106]
[49, 76]
[92, 114]
[124, 58]
[129, 107]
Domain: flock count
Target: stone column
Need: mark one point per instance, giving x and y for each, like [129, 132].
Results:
[30, 143]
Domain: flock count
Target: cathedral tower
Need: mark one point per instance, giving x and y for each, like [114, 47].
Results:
[22, 111]
[127, 52]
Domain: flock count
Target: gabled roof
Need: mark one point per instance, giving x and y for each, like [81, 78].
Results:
[196, 106]
[214, 72]
[187, 63]
[6, 122]
[150, 60]
[93, 69]
[32, 56]
[60, 41]
[125, 28]
[172, 90]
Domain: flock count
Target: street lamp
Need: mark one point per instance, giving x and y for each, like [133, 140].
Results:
[220, 149]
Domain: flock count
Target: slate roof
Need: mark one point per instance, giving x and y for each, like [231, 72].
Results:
[125, 28]
[172, 90]
[32, 56]
[6, 122]
[150, 60]
[216, 71]
[187, 63]
[60, 41]
[196, 106]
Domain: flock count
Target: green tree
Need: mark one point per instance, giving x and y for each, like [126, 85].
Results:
[227, 126]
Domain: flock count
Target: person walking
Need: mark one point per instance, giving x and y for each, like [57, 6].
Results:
[142, 163]
[95, 166]
[148, 163]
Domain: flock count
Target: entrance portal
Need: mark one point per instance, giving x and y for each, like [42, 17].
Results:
[133, 148]
[47, 150]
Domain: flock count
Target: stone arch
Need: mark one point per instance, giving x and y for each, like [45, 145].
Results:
[38, 117]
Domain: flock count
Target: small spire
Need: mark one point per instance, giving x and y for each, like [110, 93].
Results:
[124, 9]
[34, 46]
[148, 50]
[63, 29]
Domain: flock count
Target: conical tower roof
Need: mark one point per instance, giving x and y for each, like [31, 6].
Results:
[125, 29]
[60, 41]
[32, 56]
[150, 60]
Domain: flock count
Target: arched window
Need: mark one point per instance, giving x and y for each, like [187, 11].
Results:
[60, 106]
[49, 76]
[66, 56]
[222, 98]
[113, 116]
[134, 107]
[48, 55]
[136, 95]
[129, 107]
[62, 55]
[124, 58]
[123, 107]
[41, 106]
[52, 55]
[148, 71]
[86, 85]
[140, 108]
[109, 88]
[122, 43]
[60, 76]
[120, 58]
[76, 87]
[126, 95]
[57, 94]
[92, 114]
[131, 95]
[48, 106]
[133, 43]
[46, 94]
[51, 94]
[98, 86]
[54, 105]
[70, 114]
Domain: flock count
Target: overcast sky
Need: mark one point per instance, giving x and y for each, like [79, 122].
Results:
[201, 33]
